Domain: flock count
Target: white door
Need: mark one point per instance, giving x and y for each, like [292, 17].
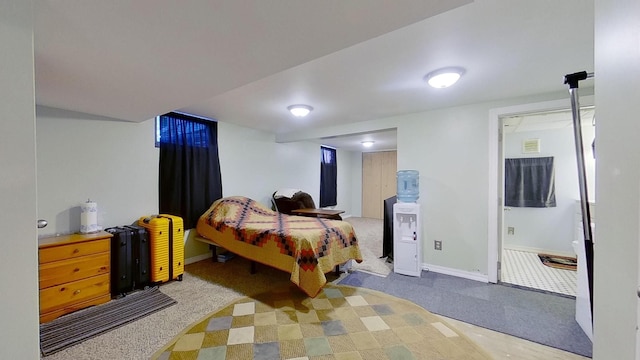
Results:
[18, 189]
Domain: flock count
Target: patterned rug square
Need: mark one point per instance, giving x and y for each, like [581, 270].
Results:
[342, 322]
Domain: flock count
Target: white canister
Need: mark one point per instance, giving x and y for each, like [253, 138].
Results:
[88, 217]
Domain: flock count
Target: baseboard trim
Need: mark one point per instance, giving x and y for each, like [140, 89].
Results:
[197, 258]
[456, 272]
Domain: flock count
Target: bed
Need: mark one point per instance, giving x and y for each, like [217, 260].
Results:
[305, 247]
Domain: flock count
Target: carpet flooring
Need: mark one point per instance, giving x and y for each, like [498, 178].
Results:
[342, 322]
[369, 233]
[75, 328]
[539, 317]
[206, 287]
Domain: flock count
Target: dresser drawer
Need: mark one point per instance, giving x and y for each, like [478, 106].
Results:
[74, 250]
[57, 297]
[52, 315]
[60, 272]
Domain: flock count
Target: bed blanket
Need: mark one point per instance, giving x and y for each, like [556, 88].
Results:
[306, 247]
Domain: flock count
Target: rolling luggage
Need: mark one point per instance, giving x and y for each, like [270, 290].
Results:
[166, 240]
[121, 261]
[141, 256]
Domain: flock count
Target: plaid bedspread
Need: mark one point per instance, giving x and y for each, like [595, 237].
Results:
[306, 247]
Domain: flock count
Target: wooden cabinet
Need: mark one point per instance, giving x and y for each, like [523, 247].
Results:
[378, 181]
[74, 273]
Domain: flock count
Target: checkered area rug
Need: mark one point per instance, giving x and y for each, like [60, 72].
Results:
[341, 323]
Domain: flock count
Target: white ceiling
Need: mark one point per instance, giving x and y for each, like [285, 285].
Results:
[244, 62]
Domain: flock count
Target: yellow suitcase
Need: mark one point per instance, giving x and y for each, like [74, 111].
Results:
[166, 240]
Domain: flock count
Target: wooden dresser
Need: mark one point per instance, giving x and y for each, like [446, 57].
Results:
[74, 273]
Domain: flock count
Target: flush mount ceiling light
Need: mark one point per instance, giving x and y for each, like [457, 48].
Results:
[444, 77]
[300, 110]
[368, 143]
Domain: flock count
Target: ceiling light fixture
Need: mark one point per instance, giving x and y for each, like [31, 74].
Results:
[444, 77]
[300, 110]
[368, 143]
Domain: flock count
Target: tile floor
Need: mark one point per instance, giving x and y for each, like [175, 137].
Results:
[525, 269]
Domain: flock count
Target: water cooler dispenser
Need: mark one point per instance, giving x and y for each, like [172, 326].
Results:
[407, 242]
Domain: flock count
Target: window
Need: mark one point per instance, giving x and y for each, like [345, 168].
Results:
[529, 182]
[328, 177]
[189, 167]
[183, 128]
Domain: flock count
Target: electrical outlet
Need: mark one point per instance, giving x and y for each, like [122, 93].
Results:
[511, 230]
[437, 244]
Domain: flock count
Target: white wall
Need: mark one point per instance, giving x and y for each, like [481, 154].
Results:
[448, 148]
[254, 165]
[347, 162]
[550, 230]
[356, 183]
[617, 235]
[18, 204]
[80, 156]
[251, 163]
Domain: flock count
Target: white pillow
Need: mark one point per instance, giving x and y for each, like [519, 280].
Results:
[288, 193]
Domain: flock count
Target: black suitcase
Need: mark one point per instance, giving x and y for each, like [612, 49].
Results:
[121, 261]
[141, 252]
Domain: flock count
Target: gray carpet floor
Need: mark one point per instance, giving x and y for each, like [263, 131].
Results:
[544, 318]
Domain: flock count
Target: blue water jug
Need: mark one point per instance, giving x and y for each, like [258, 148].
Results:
[408, 185]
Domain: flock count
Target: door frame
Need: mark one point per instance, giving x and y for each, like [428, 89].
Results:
[496, 168]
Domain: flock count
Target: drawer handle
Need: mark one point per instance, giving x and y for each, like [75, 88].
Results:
[75, 251]
[76, 270]
[76, 292]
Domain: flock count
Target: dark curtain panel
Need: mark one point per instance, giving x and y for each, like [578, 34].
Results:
[328, 177]
[529, 182]
[190, 179]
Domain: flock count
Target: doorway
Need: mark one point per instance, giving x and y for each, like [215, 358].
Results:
[529, 234]
[496, 169]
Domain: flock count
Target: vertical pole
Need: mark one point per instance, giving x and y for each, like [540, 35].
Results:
[572, 80]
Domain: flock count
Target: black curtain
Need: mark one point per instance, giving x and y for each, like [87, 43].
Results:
[189, 176]
[328, 177]
[529, 182]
